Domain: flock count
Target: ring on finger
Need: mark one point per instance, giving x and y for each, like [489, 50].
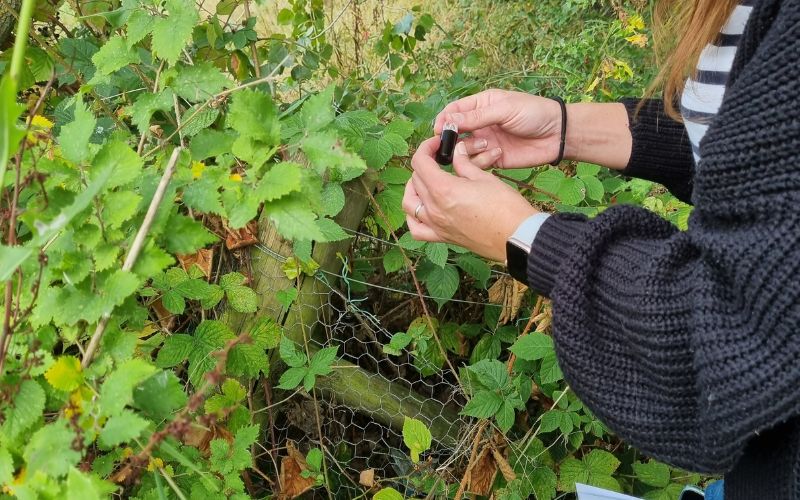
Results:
[416, 211]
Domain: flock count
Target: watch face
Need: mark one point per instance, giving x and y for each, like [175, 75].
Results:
[517, 261]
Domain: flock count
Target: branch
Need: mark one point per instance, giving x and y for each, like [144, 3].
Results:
[136, 248]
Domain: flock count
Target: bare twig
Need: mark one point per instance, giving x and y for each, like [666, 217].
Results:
[136, 248]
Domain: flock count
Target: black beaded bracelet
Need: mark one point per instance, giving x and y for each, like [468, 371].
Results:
[563, 143]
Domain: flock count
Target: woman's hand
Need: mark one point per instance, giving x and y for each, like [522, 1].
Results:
[473, 209]
[509, 129]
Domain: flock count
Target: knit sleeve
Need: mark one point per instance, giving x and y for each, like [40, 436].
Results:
[687, 343]
[661, 149]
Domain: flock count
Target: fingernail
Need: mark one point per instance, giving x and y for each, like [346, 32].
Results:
[481, 143]
[496, 152]
[456, 118]
[461, 148]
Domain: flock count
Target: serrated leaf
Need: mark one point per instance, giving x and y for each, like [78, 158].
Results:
[587, 170]
[142, 110]
[317, 112]
[550, 371]
[491, 373]
[121, 428]
[326, 154]
[395, 175]
[247, 360]
[290, 354]
[594, 188]
[294, 219]
[331, 231]
[437, 253]
[332, 199]
[124, 163]
[475, 267]
[140, 24]
[393, 260]
[211, 143]
[114, 55]
[119, 207]
[390, 200]
[377, 152]
[484, 404]
[322, 360]
[50, 452]
[199, 82]
[652, 473]
[416, 437]
[198, 118]
[186, 235]
[401, 127]
[171, 34]
[253, 115]
[160, 395]
[398, 144]
[292, 378]
[117, 390]
[532, 347]
[65, 374]
[74, 137]
[505, 417]
[24, 411]
[280, 180]
[442, 283]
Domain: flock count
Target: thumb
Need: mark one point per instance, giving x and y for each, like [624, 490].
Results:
[463, 166]
[481, 117]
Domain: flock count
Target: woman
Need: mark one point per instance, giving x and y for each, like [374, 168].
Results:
[685, 343]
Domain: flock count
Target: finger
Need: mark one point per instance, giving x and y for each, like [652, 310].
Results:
[464, 166]
[411, 199]
[476, 145]
[487, 159]
[421, 232]
[420, 189]
[425, 166]
[459, 106]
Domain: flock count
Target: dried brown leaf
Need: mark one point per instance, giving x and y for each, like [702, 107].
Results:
[292, 483]
[481, 476]
[165, 318]
[203, 259]
[367, 478]
[241, 238]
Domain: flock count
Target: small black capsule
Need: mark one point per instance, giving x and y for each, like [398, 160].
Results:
[448, 145]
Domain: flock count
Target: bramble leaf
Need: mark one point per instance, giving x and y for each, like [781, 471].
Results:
[417, 437]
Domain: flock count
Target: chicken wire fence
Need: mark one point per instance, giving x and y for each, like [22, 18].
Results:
[359, 421]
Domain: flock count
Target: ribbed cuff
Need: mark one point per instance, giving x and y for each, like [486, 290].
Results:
[661, 149]
[551, 248]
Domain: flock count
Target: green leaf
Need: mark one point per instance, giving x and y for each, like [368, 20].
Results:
[326, 154]
[587, 170]
[532, 347]
[121, 428]
[398, 144]
[437, 253]
[210, 336]
[140, 24]
[442, 283]
[119, 207]
[88, 486]
[114, 55]
[401, 127]
[294, 219]
[292, 378]
[416, 437]
[24, 411]
[505, 417]
[170, 34]
[199, 82]
[594, 469]
[652, 473]
[314, 459]
[50, 452]
[393, 260]
[185, 235]
[395, 175]
[317, 111]
[475, 267]
[388, 494]
[211, 143]
[198, 118]
[124, 163]
[65, 374]
[550, 371]
[568, 190]
[290, 354]
[377, 152]
[322, 360]
[11, 258]
[266, 333]
[483, 405]
[390, 201]
[247, 360]
[74, 138]
[233, 393]
[281, 179]
[253, 115]
[331, 231]
[332, 199]
[160, 395]
[594, 188]
[117, 390]
[491, 373]
[142, 110]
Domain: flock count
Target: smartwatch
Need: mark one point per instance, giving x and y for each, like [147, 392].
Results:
[518, 246]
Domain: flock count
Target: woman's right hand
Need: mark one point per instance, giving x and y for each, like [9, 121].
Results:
[509, 129]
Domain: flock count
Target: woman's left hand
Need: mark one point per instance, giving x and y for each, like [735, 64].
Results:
[473, 209]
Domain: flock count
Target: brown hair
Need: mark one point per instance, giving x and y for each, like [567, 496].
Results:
[682, 30]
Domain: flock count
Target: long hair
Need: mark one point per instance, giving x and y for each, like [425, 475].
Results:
[682, 30]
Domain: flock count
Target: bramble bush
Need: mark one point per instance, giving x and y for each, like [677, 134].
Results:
[140, 143]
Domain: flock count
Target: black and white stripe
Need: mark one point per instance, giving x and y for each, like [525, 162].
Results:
[702, 95]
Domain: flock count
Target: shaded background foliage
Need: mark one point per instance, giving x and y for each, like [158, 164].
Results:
[275, 332]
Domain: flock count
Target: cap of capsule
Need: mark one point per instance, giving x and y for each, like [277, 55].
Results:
[450, 126]
[448, 144]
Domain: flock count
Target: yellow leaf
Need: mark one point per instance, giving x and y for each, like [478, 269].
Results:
[197, 169]
[41, 122]
[636, 22]
[639, 40]
[65, 374]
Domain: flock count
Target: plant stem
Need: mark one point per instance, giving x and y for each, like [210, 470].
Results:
[24, 24]
[136, 248]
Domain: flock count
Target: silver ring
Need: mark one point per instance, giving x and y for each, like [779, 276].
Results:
[416, 211]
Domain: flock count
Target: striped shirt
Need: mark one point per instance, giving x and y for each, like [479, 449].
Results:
[702, 95]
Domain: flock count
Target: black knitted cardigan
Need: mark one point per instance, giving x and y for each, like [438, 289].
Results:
[687, 344]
